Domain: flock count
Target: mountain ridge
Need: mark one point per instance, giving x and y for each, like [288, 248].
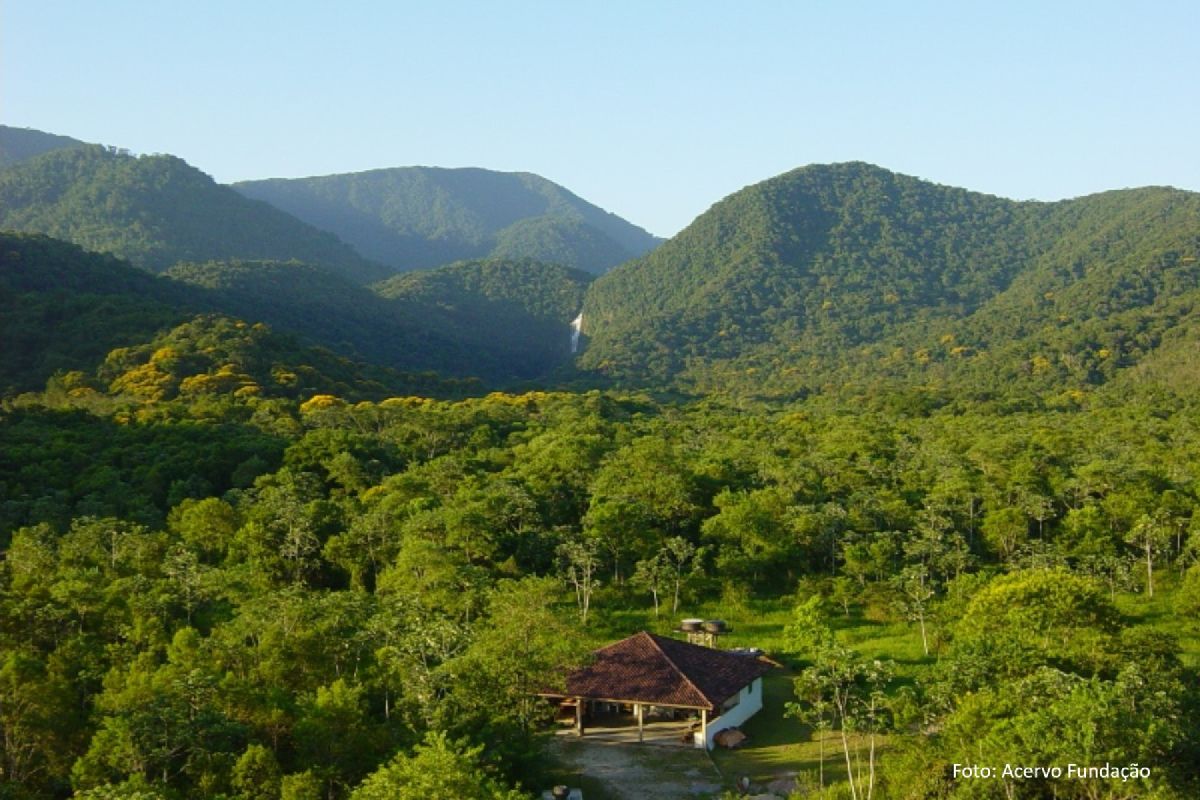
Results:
[156, 211]
[21, 144]
[422, 217]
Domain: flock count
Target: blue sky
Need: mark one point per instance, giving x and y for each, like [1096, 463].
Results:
[653, 110]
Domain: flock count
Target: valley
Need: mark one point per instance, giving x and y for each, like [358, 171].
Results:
[310, 488]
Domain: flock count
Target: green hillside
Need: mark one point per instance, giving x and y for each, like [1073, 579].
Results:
[523, 307]
[419, 217]
[19, 144]
[156, 211]
[848, 274]
[549, 292]
[63, 309]
[328, 309]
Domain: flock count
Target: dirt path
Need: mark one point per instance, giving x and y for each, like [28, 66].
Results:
[642, 772]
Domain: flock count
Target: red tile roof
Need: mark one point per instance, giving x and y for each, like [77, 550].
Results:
[646, 668]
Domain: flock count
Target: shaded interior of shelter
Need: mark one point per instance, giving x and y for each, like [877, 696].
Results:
[618, 723]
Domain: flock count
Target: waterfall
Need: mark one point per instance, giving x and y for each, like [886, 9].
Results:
[576, 327]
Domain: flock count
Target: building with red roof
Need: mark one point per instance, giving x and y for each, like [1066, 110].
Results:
[650, 673]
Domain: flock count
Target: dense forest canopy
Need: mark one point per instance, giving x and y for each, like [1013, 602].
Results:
[270, 534]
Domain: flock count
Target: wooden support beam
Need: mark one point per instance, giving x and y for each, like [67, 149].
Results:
[579, 701]
[704, 727]
[637, 707]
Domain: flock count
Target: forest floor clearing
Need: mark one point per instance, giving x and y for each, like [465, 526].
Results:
[636, 772]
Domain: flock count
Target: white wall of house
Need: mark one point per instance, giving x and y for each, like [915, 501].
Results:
[749, 703]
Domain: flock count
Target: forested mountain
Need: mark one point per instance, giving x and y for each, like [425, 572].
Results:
[544, 291]
[62, 308]
[156, 211]
[524, 306]
[497, 321]
[326, 308]
[18, 144]
[417, 217]
[848, 273]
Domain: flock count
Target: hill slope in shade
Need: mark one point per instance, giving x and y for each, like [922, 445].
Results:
[418, 217]
[19, 144]
[523, 307]
[63, 309]
[848, 273]
[156, 211]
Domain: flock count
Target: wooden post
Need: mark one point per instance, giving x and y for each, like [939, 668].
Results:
[579, 716]
[641, 733]
[704, 727]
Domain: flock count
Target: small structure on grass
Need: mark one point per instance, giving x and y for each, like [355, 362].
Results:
[647, 676]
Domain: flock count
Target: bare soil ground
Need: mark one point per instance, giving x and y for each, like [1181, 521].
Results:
[640, 772]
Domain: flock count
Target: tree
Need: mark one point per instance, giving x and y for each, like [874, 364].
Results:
[36, 718]
[652, 573]
[256, 774]
[1023, 620]
[757, 532]
[1136, 715]
[684, 558]
[370, 542]
[1187, 601]
[1005, 530]
[807, 633]
[333, 734]
[523, 647]
[641, 494]
[915, 589]
[206, 526]
[301, 786]
[416, 648]
[1151, 534]
[841, 689]
[438, 767]
[160, 722]
[579, 560]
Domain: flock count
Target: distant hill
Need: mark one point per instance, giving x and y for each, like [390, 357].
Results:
[19, 144]
[333, 312]
[156, 211]
[420, 217]
[524, 307]
[497, 321]
[211, 354]
[850, 275]
[64, 309]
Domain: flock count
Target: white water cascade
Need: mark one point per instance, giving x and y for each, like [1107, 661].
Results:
[576, 327]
